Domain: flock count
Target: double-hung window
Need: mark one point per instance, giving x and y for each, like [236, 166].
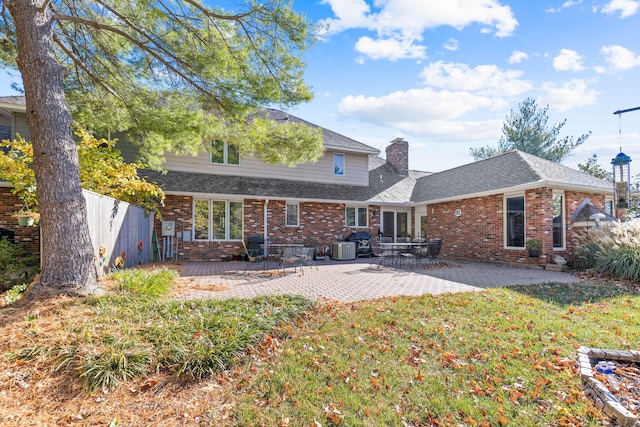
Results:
[356, 217]
[558, 220]
[514, 222]
[338, 164]
[225, 153]
[217, 220]
[292, 214]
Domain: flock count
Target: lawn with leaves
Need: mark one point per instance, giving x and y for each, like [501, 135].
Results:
[497, 357]
[500, 357]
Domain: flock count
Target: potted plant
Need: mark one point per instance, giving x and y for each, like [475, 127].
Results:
[534, 246]
[26, 217]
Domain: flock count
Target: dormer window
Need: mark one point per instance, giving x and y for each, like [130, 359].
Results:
[225, 153]
[338, 164]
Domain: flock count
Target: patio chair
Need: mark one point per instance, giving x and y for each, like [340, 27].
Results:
[435, 245]
[383, 255]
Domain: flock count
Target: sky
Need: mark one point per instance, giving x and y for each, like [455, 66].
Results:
[444, 74]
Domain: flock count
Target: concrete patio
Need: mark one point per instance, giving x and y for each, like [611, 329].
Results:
[356, 280]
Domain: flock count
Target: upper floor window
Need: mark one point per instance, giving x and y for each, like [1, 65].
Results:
[338, 164]
[217, 220]
[514, 221]
[225, 153]
[356, 217]
[292, 215]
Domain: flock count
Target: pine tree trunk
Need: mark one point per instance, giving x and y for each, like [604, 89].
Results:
[67, 253]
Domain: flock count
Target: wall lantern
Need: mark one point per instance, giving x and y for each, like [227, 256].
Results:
[621, 179]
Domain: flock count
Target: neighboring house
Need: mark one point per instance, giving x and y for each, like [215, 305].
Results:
[484, 210]
[13, 121]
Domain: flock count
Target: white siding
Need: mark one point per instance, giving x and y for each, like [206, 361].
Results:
[356, 168]
[20, 126]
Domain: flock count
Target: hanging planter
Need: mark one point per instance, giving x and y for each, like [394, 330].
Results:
[26, 217]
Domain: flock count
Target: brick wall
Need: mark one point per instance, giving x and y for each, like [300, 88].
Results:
[320, 224]
[29, 237]
[478, 233]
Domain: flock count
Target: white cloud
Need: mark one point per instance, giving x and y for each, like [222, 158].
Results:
[487, 80]
[451, 44]
[415, 105]
[517, 57]
[565, 5]
[625, 7]
[568, 95]
[568, 60]
[390, 48]
[620, 58]
[404, 21]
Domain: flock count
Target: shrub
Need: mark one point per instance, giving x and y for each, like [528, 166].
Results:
[613, 250]
[16, 268]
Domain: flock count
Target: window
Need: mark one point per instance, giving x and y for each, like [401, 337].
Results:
[423, 226]
[293, 217]
[338, 164]
[356, 217]
[225, 153]
[514, 222]
[608, 207]
[217, 220]
[558, 220]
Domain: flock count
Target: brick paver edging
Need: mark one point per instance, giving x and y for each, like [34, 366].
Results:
[604, 400]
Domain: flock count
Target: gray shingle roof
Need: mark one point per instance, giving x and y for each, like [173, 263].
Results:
[16, 103]
[501, 172]
[496, 174]
[385, 186]
[331, 139]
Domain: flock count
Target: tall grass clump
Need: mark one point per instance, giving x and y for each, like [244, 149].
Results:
[155, 283]
[613, 250]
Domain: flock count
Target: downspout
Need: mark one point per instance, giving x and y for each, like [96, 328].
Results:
[266, 203]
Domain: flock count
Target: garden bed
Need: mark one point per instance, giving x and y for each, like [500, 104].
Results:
[616, 393]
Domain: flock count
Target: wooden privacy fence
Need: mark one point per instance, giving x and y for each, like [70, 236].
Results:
[119, 232]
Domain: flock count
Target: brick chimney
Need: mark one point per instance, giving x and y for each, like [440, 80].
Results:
[398, 156]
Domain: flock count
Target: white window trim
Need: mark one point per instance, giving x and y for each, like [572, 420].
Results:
[344, 164]
[286, 214]
[227, 211]
[225, 156]
[504, 221]
[366, 208]
[609, 200]
[564, 219]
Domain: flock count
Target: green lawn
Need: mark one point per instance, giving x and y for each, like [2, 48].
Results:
[499, 357]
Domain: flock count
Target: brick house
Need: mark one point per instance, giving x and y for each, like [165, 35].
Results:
[485, 210]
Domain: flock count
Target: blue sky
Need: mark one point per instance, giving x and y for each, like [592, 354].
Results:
[444, 74]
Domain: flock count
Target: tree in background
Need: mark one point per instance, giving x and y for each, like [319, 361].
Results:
[528, 130]
[171, 73]
[592, 167]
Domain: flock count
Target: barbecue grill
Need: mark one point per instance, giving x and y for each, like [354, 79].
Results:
[361, 239]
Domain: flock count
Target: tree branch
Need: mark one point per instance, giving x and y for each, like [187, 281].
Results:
[142, 46]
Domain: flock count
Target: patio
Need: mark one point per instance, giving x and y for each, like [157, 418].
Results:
[356, 280]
